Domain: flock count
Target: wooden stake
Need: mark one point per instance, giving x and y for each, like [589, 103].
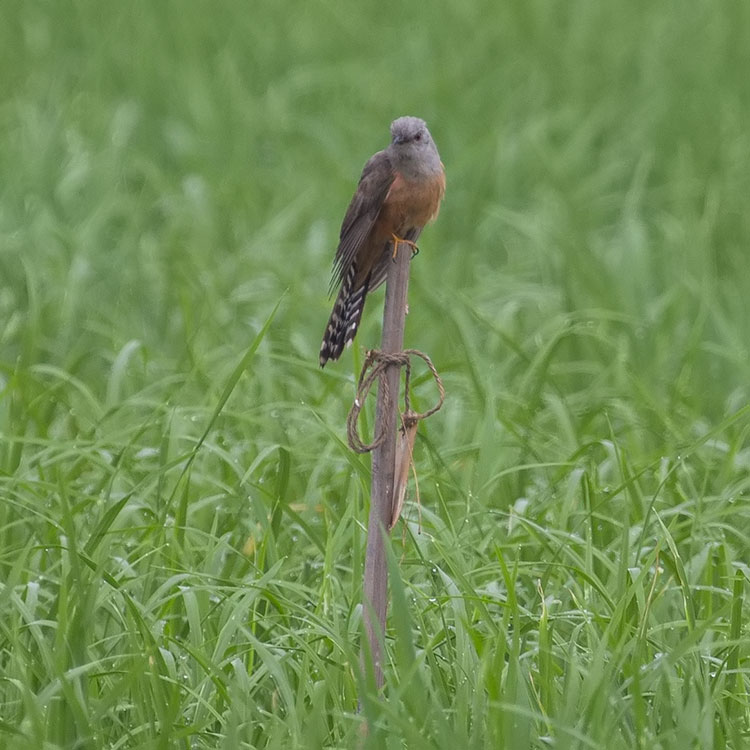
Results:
[407, 434]
[375, 591]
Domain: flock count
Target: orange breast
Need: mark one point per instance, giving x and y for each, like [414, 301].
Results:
[411, 204]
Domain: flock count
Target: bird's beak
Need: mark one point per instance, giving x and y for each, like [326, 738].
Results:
[398, 139]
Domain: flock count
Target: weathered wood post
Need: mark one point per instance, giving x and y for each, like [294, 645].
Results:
[375, 589]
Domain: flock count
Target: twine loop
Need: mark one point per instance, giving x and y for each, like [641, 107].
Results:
[374, 368]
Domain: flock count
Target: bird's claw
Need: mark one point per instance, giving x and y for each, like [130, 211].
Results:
[401, 241]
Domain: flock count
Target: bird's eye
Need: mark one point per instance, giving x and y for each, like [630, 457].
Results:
[418, 137]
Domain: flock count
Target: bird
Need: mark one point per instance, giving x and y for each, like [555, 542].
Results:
[399, 192]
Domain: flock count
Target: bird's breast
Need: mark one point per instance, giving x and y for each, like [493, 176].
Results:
[412, 203]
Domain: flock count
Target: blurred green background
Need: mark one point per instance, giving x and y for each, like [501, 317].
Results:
[181, 527]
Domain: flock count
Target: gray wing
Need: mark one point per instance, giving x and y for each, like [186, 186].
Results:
[377, 177]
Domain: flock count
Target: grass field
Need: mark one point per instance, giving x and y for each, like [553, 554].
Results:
[181, 523]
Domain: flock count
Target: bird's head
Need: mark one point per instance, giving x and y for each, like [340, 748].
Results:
[409, 130]
[412, 147]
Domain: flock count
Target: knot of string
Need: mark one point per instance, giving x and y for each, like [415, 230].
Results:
[374, 368]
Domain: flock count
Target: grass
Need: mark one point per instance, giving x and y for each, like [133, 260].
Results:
[181, 525]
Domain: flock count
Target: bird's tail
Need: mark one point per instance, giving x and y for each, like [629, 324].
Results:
[345, 316]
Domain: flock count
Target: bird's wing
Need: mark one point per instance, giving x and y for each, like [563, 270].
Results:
[377, 177]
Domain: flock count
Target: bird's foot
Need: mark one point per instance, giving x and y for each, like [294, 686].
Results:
[401, 241]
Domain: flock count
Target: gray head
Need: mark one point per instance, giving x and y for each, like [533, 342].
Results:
[412, 147]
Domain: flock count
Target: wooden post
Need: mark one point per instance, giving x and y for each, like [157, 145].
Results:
[375, 591]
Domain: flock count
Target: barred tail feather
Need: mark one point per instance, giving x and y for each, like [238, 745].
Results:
[344, 321]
